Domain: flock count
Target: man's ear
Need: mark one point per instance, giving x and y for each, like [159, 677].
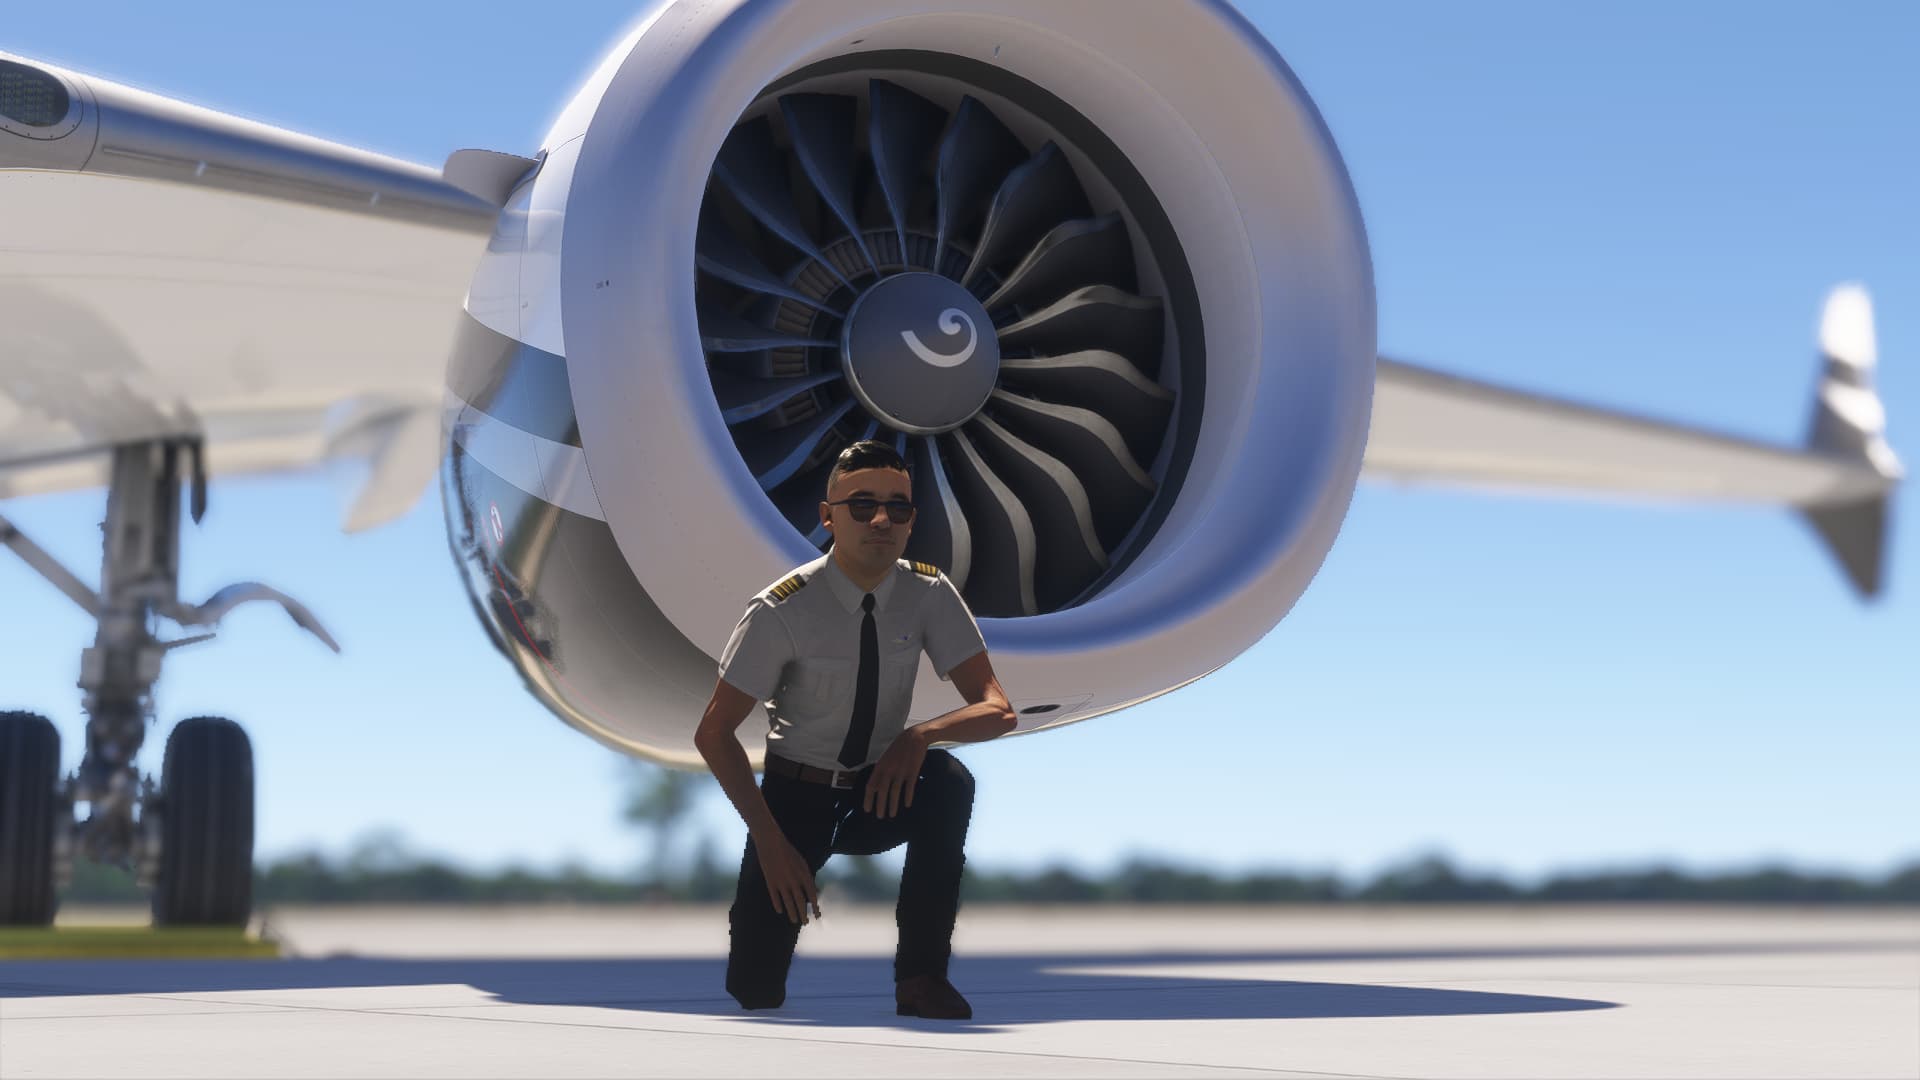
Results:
[826, 516]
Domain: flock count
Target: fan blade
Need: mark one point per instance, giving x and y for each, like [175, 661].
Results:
[724, 332]
[901, 129]
[1001, 582]
[1041, 191]
[798, 500]
[720, 253]
[940, 533]
[1096, 317]
[755, 172]
[822, 128]
[1068, 557]
[743, 398]
[960, 569]
[1088, 251]
[1104, 382]
[1118, 489]
[975, 157]
[775, 456]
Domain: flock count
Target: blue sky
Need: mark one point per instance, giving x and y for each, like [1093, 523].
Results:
[1637, 205]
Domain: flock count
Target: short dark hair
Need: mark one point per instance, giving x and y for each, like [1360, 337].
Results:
[866, 454]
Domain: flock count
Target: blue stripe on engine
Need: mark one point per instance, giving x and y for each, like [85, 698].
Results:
[513, 382]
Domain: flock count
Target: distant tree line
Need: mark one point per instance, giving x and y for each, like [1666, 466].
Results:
[661, 802]
[394, 877]
[1434, 879]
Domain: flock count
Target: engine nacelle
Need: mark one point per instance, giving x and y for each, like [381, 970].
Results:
[1100, 274]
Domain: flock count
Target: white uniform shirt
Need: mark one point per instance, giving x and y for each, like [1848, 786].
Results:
[797, 649]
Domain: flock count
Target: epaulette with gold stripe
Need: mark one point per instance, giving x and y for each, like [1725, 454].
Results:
[787, 588]
[926, 569]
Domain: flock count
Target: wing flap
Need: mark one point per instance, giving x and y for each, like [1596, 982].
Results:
[134, 310]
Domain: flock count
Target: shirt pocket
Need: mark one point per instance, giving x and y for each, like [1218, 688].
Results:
[898, 665]
[815, 683]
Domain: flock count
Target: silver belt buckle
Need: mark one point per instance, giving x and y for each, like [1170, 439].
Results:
[838, 774]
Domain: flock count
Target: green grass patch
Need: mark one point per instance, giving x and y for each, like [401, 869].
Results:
[130, 943]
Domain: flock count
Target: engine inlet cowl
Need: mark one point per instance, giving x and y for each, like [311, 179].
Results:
[1101, 279]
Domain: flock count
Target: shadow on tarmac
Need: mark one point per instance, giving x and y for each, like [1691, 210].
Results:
[827, 991]
[836, 991]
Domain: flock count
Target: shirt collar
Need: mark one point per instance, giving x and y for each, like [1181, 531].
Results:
[848, 593]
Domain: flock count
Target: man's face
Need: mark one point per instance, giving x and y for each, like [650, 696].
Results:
[876, 541]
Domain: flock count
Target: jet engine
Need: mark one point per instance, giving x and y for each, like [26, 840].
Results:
[1099, 274]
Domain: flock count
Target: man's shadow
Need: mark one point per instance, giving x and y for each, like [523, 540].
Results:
[826, 991]
[1021, 990]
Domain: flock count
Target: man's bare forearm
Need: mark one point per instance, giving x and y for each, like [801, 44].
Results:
[978, 722]
[731, 766]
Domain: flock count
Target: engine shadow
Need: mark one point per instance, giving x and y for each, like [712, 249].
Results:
[857, 991]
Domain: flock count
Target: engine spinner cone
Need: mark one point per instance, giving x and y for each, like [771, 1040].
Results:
[920, 353]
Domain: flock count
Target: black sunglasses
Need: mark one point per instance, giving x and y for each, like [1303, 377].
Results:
[860, 508]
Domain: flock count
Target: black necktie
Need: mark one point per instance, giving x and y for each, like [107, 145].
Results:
[866, 692]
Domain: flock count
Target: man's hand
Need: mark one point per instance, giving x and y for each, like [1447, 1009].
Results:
[896, 774]
[789, 881]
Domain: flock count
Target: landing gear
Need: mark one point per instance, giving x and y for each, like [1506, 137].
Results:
[191, 839]
[29, 772]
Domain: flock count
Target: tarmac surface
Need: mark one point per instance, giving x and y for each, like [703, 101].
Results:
[1073, 991]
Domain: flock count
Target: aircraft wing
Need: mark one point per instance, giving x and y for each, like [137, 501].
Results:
[169, 271]
[1434, 428]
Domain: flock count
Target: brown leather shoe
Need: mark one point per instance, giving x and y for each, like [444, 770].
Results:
[931, 997]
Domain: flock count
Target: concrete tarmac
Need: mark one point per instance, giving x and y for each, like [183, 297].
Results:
[1074, 991]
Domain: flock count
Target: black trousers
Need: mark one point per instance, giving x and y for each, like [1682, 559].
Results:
[820, 820]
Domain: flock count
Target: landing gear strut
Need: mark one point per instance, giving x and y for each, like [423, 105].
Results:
[191, 837]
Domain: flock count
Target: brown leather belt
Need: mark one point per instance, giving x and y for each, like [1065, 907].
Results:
[793, 770]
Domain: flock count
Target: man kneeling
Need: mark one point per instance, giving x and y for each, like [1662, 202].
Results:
[832, 650]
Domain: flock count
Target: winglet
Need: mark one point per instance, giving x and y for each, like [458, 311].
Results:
[1850, 421]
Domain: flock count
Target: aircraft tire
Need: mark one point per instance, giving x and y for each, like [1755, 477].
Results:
[206, 826]
[29, 772]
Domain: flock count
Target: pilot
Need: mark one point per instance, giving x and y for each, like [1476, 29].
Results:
[832, 650]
